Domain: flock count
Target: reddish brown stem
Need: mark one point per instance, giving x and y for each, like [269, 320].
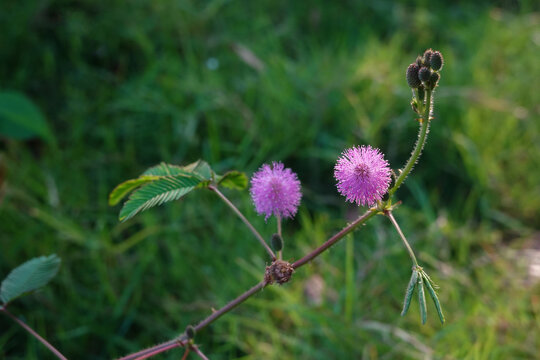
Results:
[180, 341]
[34, 334]
[334, 239]
[197, 351]
[154, 350]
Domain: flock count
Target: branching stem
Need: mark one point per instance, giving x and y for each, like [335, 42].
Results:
[182, 339]
[33, 333]
[246, 221]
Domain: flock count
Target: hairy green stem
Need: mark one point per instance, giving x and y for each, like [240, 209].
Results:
[34, 334]
[246, 221]
[405, 242]
[422, 136]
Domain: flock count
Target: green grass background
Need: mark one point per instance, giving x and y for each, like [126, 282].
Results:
[127, 84]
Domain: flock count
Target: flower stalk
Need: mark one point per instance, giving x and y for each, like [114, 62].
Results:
[280, 252]
[403, 238]
[246, 221]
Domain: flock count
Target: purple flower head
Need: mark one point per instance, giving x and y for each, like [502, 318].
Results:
[362, 175]
[275, 191]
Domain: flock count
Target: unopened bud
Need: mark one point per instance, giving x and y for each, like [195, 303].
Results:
[427, 57]
[412, 76]
[277, 242]
[436, 61]
[424, 74]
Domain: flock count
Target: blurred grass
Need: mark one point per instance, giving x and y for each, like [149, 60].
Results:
[125, 86]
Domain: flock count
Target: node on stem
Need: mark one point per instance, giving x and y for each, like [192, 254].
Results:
[279, 271]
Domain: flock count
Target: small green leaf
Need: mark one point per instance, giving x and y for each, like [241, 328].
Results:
[28, 277]
[201, 168]
[166, 188]
[422, 300]
[234, 180]
[21, 119]
[409, 293]
[434, 297]
[128, 186]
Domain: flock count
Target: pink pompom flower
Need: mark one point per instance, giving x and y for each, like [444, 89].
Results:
[362, 174]
[275, 190]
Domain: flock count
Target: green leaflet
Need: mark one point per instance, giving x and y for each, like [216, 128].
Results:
[164, 169]
[165, 189]
[409, 293]
[233, 180]
[422, 300]
[128, 186]
[434, 297]
[202, 169]
[28, 277]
